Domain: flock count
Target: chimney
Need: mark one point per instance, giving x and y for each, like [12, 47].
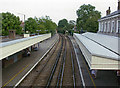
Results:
[12, 34]
[118, 4]
[108, 11]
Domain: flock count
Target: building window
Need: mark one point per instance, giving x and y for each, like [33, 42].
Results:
[118, 26]
[113, 27]
[108, 27]
[105, 28]
[102, 27]
[99, 27]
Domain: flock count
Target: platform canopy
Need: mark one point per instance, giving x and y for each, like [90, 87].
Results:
[110, 42]
[12, 47]
[96, 55]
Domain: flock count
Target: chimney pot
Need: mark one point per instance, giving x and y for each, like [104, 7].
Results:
[108, 11]
[12, 34]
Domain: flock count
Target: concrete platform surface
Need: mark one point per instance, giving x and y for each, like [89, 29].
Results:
[12, 74]
[105, 78]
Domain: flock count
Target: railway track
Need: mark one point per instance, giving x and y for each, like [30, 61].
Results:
[59, 68]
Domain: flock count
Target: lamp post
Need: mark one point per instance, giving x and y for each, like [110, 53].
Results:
[24, 21]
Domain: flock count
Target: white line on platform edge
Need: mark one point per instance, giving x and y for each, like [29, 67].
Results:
[83, 82]
[34, 66]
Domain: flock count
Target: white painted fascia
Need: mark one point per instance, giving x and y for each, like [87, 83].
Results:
[109, 17]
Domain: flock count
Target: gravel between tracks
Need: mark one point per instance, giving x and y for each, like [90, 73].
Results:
[40, 75]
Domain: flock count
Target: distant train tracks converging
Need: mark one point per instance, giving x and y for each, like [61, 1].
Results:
[58, 69]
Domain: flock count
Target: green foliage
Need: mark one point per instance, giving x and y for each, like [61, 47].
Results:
[0, 24]
[41, 29]
[31, 25]
[88, 18]
[10, 21]
[71, 24]
[62, 23]
[65, 26]
[62, 26]
[40, 25]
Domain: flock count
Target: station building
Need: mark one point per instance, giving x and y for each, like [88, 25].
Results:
[101, 50]
[110, 24]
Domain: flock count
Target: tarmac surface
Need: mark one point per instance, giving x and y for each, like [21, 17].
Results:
[12, 74]
[104, 78]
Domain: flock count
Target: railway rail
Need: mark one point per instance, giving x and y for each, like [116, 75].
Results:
[59, 68]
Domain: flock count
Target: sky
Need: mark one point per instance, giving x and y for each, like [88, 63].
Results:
[56, 9]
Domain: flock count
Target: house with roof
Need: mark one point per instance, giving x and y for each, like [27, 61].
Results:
[110, 24]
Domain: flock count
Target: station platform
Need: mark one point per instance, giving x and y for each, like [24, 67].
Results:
[12, 74]
[105, 78]
[97, 56]
[107, 41]
[12, 47]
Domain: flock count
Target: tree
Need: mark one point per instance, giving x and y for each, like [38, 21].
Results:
[10, 21]
[49, 25]
[0, 24]
[64, 25]
[72, 22]
[40, 25]
[70, 27]
[88, 18]
[31, 25]
[41, 29]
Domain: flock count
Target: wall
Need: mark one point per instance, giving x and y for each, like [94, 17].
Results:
[110, 32]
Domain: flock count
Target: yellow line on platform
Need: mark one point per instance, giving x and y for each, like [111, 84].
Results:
[89, 74]
[15, 76]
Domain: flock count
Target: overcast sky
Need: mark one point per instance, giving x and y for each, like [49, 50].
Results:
[56, 9]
